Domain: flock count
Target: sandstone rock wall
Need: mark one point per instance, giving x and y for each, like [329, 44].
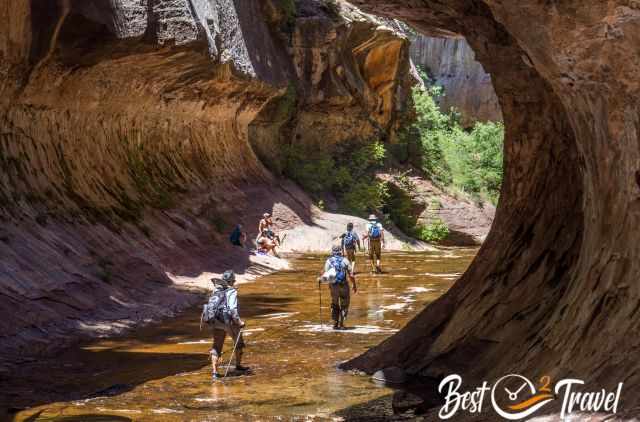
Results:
[134, 135]
[554, 288]
[467, 87]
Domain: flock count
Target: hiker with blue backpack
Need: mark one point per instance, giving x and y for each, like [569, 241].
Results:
[350, 241]
[221, 313]
[338, 272]
[375, 236]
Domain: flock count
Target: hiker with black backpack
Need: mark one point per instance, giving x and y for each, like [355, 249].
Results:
[338, 272]
[221, 313]
[375, 236]
[350, 241]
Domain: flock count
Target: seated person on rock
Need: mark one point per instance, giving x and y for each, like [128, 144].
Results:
[266, 243]
[266, 223]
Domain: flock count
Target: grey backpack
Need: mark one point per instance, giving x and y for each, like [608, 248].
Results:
[214, 309]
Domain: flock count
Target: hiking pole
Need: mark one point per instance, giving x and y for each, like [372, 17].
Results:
[320, 294]
[232, 353]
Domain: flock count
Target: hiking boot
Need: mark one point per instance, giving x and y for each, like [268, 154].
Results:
[215, 376]
[242, 368]
[336, 326]
[378, 269]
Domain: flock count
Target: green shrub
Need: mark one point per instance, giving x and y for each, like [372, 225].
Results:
[288, 8]
[313, 168]
[347, 172]
[400, 209]
[483, 154]
[447, 153]
[436, 231]
[365, 197]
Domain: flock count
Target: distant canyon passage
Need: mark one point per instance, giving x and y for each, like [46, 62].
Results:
[121, 147]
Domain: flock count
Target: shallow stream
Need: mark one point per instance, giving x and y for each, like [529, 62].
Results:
[161, 372]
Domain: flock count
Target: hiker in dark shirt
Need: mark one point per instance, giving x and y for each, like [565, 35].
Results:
[238, 237]
[349, 242]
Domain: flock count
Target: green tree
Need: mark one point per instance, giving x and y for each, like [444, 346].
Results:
[449, 154]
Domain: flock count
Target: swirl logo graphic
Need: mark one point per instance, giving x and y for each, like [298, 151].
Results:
[514, 397]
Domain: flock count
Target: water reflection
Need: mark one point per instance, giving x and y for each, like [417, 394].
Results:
[161, 373]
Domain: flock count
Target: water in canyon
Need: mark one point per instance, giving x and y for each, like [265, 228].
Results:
[161, 372]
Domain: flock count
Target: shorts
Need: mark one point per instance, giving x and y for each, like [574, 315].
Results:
[351, 255]
[220, 331]
[340, 298]
[375, 248]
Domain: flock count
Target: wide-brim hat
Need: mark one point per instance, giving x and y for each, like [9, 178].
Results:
[372, 217]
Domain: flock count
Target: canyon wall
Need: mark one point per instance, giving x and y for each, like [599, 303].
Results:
[450, 63]
[554, 287]
[133, 136]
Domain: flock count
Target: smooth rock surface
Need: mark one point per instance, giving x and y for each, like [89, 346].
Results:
[451, 64]
[134, 136]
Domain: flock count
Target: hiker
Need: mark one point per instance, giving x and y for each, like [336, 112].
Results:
[266, 243]
[267, 224]
[221, 312]
[349, 241]
[375, 235]
[238, 237]
[338, 271]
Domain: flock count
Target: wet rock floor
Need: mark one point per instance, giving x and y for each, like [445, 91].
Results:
[161, 372]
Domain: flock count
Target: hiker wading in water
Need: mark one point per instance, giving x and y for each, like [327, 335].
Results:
[375, 235]
[221, 313]
[350, 241]
[338, 271]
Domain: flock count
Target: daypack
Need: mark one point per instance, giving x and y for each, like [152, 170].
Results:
[350, 240]
[337, 262]
[215, 308]
[374, 231]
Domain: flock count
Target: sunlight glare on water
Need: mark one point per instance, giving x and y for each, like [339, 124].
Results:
[161, 373]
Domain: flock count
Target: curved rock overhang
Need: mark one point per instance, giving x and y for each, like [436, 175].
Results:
[554, 289]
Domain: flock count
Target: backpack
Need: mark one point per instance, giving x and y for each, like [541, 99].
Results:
[214, 309]
[350, 240]
[374, 231]
[337, 262]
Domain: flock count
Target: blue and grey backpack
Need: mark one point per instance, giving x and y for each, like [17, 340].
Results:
[374, 231]
[337, 262]
[215, 308]
[350, 240]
